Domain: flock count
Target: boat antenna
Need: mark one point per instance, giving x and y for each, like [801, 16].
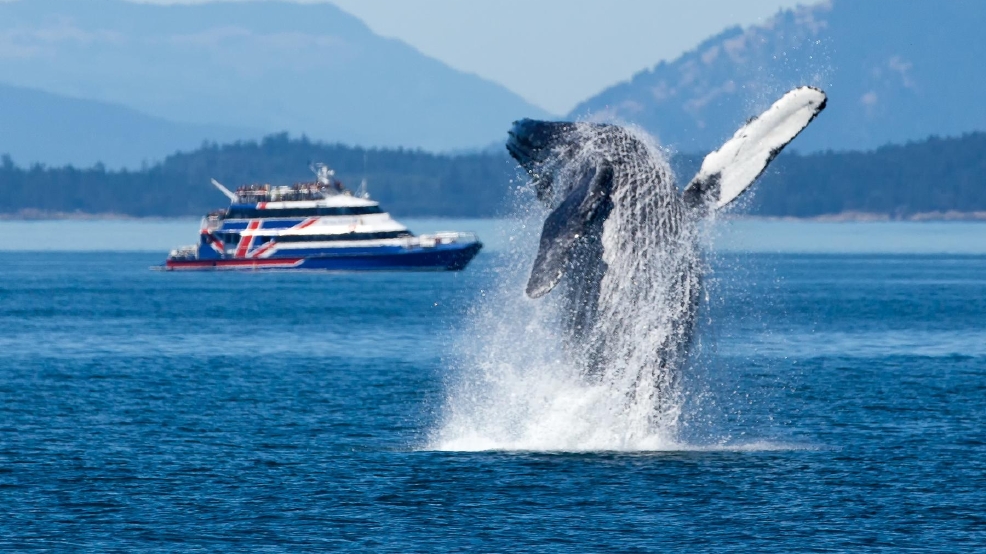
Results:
[362, 192]
[229, 194]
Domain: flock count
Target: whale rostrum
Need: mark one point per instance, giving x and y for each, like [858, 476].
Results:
[623, 238]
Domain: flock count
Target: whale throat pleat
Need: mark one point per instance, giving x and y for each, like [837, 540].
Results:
[565, 226]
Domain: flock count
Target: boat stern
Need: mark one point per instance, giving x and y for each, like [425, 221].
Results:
[456, 248]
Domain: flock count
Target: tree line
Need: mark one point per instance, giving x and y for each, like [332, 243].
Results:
[934, 175]
[937, 174]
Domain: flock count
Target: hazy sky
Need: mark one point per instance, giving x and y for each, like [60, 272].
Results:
[554, 53]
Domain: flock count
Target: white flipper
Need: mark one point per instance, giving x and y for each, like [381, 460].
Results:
[731, 169]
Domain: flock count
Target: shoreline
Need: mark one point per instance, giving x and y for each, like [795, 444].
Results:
[870, 217]
[843, 217]
[39, 215]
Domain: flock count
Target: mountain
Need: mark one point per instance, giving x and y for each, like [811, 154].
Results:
[274, 66]
[894, 71]
[39, 126]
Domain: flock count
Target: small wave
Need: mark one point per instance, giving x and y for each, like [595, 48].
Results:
[511, 409]
[647, 446]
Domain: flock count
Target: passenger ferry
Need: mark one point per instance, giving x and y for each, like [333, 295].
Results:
[318, 225]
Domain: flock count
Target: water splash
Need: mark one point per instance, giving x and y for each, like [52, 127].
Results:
[626, 244]
[522, 380]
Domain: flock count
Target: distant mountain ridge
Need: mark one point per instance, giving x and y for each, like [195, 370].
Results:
[126, 82]
[894, 71]
[40, 126]
[272, 66]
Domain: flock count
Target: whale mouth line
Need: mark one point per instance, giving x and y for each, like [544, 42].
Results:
[524, 150]
[531, 141]
[536, 161]
[517, 149]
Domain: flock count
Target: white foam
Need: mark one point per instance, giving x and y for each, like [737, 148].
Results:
[516, 386]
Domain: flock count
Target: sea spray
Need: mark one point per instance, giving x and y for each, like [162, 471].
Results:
[526, 379]
[622, 241]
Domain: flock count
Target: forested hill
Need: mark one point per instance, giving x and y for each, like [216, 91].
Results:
[900, 181]
[406, 182]
[935, 175]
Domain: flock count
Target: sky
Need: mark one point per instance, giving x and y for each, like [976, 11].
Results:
[554, 53]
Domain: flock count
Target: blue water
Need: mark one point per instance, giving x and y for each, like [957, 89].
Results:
[838, 403]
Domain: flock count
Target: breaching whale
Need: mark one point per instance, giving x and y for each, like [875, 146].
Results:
[622, 238]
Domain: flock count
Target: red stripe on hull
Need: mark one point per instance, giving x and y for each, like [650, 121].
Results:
[258, 252]
[215, 243]
[246, 239]
[232, 264]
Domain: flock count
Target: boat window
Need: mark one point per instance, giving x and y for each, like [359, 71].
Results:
[344, 236]
[237, 212]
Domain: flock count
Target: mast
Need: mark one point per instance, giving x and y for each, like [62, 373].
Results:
[229, 194]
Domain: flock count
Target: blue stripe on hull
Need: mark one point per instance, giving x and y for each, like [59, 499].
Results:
[283, 252]
[240, 225]
[432, 258]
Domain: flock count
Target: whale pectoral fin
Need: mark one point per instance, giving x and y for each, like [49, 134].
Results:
[565, 226]
[730, 170]
[702, 192]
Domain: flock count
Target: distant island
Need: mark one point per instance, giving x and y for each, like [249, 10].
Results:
[937, 178]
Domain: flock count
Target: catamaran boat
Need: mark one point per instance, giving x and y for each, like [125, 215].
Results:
[319, 225]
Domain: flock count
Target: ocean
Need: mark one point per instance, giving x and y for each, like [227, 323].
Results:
[836, 401]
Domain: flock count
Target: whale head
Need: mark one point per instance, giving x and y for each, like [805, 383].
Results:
[542, 148]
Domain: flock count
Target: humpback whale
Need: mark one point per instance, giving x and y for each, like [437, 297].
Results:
[622, 240]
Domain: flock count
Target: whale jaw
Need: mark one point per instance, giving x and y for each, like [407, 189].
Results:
[541, 148]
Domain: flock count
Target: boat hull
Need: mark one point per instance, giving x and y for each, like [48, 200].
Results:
[452, 257]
